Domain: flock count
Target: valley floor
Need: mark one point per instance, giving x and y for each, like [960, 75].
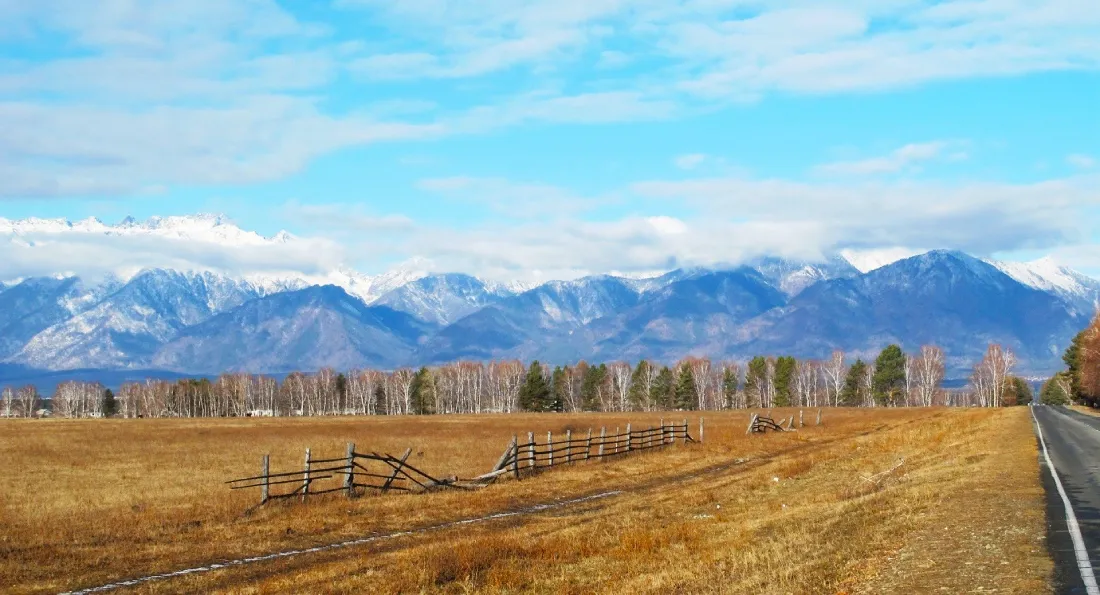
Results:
[874, 501]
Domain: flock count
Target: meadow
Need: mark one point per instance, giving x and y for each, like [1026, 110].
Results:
[873, 501]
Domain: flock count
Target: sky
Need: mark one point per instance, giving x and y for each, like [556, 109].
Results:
[536, 139]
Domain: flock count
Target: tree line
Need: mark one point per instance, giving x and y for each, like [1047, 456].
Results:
[894, 378]
[1080, 381]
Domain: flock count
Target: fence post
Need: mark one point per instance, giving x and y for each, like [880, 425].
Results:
[700, 430]
[515, 455]
[569, 446]
[603, 438]
[550, 446]
[663, 441]
[616, 451]
[752, 422]
[305, 478]
[531, 450]
[266, 471]
[800, 423]
[629, 438]
[349, 478]
[685, 430]
[588, 445]
[819, 417]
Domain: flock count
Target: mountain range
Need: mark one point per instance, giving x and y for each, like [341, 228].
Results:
[202, 322]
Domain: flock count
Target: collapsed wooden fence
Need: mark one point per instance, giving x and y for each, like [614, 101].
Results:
[359, 473]
[760, 424]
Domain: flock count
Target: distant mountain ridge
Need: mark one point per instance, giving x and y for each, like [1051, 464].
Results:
[207, 322]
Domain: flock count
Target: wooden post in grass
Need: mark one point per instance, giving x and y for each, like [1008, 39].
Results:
[700, 430]
[550, 446]
[662, 430]
[264, 493]
[515, 455]
[603, 438]
[819, 417]
[588, 445]
[685, 430]
[616, 451]
[629, 438]
[305, 478]
[349, 477]
[568, 446]
[531, 450]
[800, 422]
[752, 422]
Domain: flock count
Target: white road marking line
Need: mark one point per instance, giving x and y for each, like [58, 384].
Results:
[342, 544]
[1083, 563]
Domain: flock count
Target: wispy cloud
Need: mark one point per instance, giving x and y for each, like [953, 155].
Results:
[1081, 161]
[904, 158]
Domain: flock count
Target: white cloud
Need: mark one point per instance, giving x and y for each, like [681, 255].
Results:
[190, 246]
[690, 161]
[52, 150]
[869, 260]
[904, 158]
[1081, 161]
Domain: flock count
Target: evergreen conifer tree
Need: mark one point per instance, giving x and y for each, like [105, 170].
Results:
[852, 394]
[423, 392]
[663, 389]
[755, 378]
[559, 388]
[639, 391]
[685, 395]
[784, 381]
[109, 405]
[534, 395]
[888, 382]
[729, 387]
[1053, 393]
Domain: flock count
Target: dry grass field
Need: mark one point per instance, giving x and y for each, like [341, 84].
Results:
[89, 502]
[1086, 410]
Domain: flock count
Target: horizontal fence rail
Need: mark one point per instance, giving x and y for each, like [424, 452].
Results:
[358, 473]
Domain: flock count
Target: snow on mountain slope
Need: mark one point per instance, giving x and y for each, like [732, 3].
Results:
[1045, 274]
[126, 327]
[206, 228]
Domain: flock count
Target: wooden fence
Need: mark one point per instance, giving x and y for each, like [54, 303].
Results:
[533, 456]
[760, 424]
[358, 473]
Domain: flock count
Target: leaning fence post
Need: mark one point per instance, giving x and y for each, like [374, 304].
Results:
[588, 445]
[550, 447]
[819, 417]
[752, 422]
[349, 477]
[515, 455]
[700, 430]
[531, 450]
[305, 478]
[629, 438]
[603, 438]
[569, 446]
[267, 481]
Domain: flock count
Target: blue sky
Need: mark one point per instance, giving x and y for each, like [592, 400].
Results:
[539, 138]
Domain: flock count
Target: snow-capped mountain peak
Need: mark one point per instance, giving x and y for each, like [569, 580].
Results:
[212, 228]
[1048, 275]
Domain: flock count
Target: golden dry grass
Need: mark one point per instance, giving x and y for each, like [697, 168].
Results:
[92, 501]
[1086, 410]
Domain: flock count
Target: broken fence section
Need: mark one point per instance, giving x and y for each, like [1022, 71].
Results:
[760, 424]
[358, 473]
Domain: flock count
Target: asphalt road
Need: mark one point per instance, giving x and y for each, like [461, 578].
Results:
[1073, 443]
